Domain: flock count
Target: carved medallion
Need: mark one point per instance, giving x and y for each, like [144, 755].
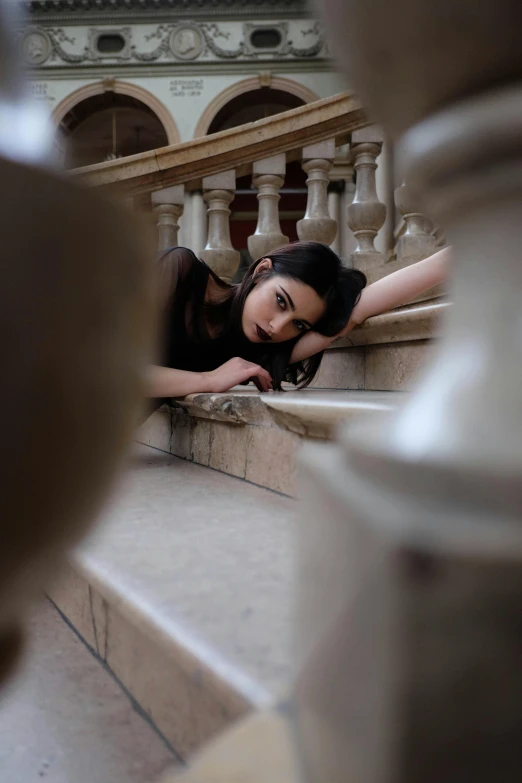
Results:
[186, 43]
[36, 47]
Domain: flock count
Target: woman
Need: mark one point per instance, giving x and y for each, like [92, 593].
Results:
[275, 324]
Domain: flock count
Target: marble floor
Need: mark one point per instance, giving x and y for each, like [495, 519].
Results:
[64, 719]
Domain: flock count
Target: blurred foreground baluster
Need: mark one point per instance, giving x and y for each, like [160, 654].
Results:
[410, 551]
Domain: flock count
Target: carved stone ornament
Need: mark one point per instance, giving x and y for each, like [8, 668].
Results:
[36, 46]
[181, 41]
[186, 43]
[94, 52]
[250, 28]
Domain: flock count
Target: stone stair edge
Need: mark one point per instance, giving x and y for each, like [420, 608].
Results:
[177, 641]
[308, 406]
[412, 322]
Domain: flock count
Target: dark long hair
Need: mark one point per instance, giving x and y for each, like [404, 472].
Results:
[313, 264]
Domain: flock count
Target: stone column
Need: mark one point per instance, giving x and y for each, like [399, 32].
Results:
[415, 243]
[168, 206]
[268, 177]
[385, 188]
[199, 222]
[366, 214]
[317, 225]
[341, 178]
[185, 222]
[348, 240]
[335, 190]
[218, 192]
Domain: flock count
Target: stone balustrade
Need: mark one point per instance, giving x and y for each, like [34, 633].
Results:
[335, 145]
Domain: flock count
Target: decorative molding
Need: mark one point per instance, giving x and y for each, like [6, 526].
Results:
[248, 85]
[198, 39]
[95, 33]
[40, 45]
[192, 69]
[122, 88]
[186, 42]
[97, 11]
[177, 42]
[36, 46]
[252, 27]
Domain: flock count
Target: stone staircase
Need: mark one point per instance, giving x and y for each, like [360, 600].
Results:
[185, 591]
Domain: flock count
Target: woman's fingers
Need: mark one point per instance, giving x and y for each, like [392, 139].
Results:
[257, 383]
[262, 379]
[239, 370]
[262, 384]
[259, 376]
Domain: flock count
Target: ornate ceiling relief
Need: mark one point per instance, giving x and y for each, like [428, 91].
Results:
[181, 42]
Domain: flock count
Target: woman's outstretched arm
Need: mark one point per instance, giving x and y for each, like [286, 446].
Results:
[389, 292]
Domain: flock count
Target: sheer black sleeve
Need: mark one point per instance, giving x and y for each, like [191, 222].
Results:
[175, 266]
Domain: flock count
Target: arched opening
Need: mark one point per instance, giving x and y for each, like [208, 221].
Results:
[249, 107]
[253, 105]
[109, 125]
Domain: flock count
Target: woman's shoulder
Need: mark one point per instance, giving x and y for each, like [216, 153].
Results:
[179, 258]
[178, 265]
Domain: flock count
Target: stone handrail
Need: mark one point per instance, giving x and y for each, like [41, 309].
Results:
[187, 163]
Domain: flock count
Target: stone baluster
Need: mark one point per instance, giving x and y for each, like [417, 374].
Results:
[410, 548]
[317, 225]
[168, 206]
[366, 214]
[218, 192]
[268, 177]
[415, 243]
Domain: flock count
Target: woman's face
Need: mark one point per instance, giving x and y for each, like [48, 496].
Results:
[280, 308]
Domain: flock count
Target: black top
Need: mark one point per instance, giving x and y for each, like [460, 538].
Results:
[187, 344]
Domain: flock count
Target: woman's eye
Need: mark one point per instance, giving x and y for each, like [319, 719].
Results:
[300, 325]
[281, 302]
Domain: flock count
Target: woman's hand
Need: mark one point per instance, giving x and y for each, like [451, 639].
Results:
[234, 372]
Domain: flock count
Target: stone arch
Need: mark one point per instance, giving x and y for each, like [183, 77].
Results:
[121, 88]
[248, 85]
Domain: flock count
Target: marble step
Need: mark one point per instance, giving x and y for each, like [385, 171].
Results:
[184, 594]
[387, 352]
[64, 719]
[255, 436]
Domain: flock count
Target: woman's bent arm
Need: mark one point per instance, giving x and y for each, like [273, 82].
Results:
[389, 292]
[166, 382]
